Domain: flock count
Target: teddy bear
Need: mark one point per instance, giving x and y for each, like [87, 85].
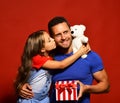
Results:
[77, 32]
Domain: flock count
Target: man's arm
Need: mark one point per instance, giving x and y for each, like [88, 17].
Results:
[26, 91]
[102, 85]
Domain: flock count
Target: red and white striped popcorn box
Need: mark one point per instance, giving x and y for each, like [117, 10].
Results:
[66, 90]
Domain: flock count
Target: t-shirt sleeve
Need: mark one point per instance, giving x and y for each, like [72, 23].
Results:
[96, 62]
[38, 61]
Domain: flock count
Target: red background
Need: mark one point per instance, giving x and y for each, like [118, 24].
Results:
[19, 18]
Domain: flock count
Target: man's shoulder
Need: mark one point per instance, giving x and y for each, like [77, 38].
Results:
[93, 53]
[93, 56]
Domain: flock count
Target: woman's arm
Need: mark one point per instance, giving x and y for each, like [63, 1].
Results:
[52, 64]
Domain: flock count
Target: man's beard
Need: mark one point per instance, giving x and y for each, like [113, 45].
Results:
[63, 49]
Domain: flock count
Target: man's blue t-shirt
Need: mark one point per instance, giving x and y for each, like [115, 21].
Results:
[82, 70]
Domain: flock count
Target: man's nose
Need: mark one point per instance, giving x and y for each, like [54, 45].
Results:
[63, 36]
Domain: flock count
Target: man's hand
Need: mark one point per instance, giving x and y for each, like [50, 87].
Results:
[26, 91]
[83, 88]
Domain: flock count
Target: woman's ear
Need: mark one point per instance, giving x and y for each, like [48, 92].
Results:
[43, 50]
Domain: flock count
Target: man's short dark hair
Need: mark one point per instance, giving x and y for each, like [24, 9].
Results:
[54, 21]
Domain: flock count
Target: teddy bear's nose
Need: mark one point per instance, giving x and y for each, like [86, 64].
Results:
[72, 32]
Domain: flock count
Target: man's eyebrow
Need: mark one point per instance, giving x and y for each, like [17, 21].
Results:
[65, 31]
[58, 34]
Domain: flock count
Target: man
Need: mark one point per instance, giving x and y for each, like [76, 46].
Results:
[85, 70]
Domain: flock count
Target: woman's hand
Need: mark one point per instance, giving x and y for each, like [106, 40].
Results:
[85, 48]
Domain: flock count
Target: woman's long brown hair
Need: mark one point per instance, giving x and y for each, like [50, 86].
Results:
[33, 45]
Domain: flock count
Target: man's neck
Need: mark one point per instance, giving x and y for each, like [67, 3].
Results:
[65, 51]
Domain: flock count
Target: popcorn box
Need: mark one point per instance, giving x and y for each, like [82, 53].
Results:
[66, 90]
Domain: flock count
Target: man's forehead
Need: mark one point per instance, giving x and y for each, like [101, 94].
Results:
[60, 28]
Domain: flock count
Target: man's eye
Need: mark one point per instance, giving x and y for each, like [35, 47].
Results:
[57, 35]
[65, 32]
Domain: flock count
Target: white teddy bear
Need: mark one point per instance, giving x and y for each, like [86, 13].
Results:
[79, 38]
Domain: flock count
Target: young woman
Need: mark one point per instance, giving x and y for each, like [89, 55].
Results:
[36, 63]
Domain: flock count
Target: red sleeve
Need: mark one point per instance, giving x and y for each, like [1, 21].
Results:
[38, 61]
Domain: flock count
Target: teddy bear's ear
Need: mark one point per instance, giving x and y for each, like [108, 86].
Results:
[83, 27]
[71, 27]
